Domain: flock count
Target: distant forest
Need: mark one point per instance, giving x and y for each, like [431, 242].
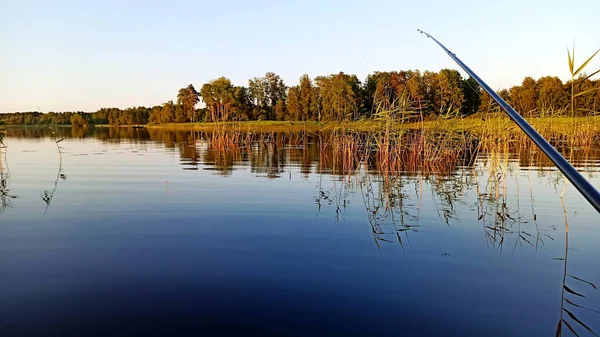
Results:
[337, 97]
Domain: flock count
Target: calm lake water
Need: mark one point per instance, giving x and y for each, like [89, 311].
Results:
[150, 232]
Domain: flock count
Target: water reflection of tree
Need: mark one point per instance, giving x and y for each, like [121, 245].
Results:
[327, 151]
[220, 159]
[79, 132]
[268, 158]
[188, 150]
[119, 134]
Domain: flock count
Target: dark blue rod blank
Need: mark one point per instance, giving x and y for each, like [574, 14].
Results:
[583, 186]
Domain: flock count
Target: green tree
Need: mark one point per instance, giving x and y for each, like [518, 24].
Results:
[281, 110]
[596, 103]
[504, 94]
[369, 88]
[430, 89]
[258, 91]
[275, 89]
[472, 96]
[339, 100]
[316, 107]
[100, 116]
[188, 97]
[180, 114]
[388, 91]
[416, 89]
[167, 113]
[514, 98]
[77, 121]
[242, 108]
[551, 94]
[154, 116]
[586, 92]
[450, 96]
[265, 92]
[307, 99]
[218, 95]
[294, 107]
[528, 96]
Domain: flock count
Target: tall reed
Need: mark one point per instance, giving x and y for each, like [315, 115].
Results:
[574, 73]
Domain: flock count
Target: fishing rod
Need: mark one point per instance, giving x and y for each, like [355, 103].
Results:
[583, 186]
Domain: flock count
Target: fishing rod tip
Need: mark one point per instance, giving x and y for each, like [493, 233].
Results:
[422, 32]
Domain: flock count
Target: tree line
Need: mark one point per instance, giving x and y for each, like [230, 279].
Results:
[336, 97]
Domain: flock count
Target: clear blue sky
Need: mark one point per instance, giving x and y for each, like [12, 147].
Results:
[83, 55]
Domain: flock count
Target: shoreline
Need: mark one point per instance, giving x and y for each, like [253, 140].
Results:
[470, 123]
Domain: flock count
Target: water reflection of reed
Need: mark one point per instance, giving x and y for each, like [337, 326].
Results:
[340, 151]
[573, 303]
[48, 195]
[392, 206]
[6, 197]
[393, 203]
[436, 158]
[389, 209]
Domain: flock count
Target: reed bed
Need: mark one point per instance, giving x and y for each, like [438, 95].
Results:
[437, 149]
[343, 151]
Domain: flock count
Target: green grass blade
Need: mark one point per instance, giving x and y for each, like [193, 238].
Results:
[585, 78]
[569, 290]
[584, 281]
[559, 329]
[581, 306]
[571, 66]
[580, 322]
[570, 327]
[584, 92]
[592, 112]
[585, 63]
[573, 58]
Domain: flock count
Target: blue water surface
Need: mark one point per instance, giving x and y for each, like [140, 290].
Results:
[138, 237]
